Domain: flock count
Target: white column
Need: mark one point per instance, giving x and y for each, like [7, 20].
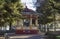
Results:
[21, 23]
[36, 21]
[30, 21]
[17, 22]
[17, 26]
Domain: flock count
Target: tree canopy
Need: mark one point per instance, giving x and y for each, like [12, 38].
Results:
[49, 10]
[9, 11]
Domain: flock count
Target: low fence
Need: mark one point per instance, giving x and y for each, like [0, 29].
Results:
[49, 27]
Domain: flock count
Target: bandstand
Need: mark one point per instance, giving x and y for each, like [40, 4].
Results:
[30, 18]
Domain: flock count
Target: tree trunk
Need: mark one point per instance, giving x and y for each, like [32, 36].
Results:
[10, 25]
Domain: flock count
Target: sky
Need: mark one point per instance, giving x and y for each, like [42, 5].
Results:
[29, 4]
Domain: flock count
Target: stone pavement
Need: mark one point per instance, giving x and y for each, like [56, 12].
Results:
[2, 37]
[25, 36]
[31, 36]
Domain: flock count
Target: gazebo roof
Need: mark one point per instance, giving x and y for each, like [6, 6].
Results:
[27, 10]
[30, 11]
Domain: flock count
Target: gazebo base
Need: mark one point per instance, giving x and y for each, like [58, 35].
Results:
[27, 31]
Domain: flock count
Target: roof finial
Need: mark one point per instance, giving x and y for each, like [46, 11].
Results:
[25, 5]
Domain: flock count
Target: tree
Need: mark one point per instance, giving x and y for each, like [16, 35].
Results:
[49, 9]
[1, 12]
[11, 10]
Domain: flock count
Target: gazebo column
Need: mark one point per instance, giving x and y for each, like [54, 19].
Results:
[17, 22]
[21, 21]
[30, 21]
[36, 21]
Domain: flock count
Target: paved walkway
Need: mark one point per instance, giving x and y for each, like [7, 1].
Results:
[26, 36]
[31, 36]
[2, 37]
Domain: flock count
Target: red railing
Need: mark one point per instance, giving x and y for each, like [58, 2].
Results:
[27, 31]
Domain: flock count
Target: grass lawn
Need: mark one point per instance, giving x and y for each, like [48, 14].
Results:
[57, 37]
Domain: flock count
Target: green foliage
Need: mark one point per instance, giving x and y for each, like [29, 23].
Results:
[9, 11]
[49, 10]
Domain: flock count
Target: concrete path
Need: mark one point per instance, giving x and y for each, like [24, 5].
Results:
[2, 37]
[36, 36]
